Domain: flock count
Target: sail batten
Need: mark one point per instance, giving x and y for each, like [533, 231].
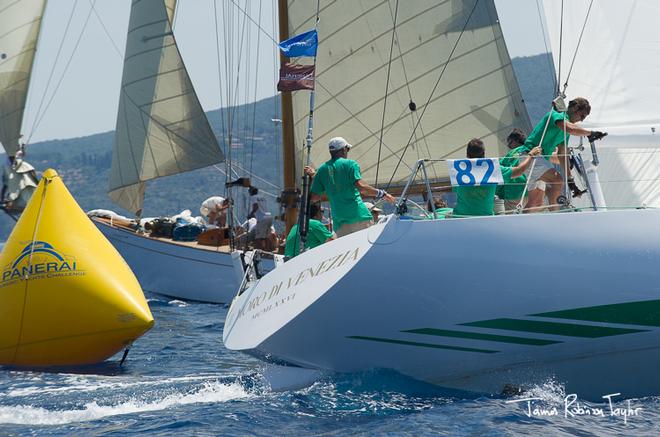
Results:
[162, 129]
[470, 92]
[20, 22]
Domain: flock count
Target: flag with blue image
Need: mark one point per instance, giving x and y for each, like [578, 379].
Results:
[304, 44]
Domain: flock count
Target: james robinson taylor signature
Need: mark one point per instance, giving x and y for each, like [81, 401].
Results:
[573, 408]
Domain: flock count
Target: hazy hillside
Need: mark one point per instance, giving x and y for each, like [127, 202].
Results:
[84, 163]
[535, 76]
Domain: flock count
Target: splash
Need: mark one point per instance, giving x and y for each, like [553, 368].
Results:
[209, 393]
[550, 391]
[77, 384]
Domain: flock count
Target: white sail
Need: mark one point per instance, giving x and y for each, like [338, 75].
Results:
[20, 22]
[477, 95]
[161, 127]
[616, 68]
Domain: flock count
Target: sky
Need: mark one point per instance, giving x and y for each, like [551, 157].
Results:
[77, 75]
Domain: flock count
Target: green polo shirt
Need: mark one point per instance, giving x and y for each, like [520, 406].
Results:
[477, 200]
[337, 179]
[554, 136]
[514, 189]
[317, 234]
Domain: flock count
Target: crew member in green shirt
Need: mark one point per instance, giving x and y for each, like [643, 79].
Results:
[340, 179]
[512, 192]
[479, 200]
[317, 233]
[554, 128]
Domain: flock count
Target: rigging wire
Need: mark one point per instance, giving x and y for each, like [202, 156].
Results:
[59, 83]
[387, 86]
[561, 37]
[217, 46]
[276, 104]
[551, 67]
[257, 24]
[254, 100]
[105, 29]
[410, 99]
[52, 71]
[236, 111]
[419, 120]
[584, 25]
[245, 107]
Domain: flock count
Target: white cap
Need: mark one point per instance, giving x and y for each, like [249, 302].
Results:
[338, 143]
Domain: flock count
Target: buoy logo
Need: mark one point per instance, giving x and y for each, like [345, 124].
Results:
[39, 260]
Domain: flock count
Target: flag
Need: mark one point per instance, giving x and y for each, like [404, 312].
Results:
[296, 77]
[304, 44]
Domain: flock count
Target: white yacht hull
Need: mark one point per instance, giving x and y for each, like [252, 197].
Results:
[471, 304]
[174, 270]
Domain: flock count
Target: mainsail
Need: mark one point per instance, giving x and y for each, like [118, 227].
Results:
[471, 92]
[161, 127]
[20, 22]
[616, 67]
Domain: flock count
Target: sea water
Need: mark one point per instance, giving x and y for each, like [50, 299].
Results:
[180, 380]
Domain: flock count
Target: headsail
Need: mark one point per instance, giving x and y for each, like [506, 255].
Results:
[477, 95]
[20, 22]
[161, 127]
[618, 74]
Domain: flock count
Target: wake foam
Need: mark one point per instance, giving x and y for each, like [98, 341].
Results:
[211, 392]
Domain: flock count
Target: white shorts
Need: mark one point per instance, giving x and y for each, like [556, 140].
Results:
[541, 166]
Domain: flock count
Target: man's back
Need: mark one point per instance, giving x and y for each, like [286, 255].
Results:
[337, 178]
[477, 200]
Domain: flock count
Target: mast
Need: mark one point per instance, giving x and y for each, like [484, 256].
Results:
[290, 196]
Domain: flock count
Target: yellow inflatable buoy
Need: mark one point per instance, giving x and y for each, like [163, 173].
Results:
[66, 296]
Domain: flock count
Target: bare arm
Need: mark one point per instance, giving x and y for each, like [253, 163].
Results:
[522, 167]
[369, 191]
[572, 128]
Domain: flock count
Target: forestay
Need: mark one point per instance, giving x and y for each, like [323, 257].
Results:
[616, 68]
[20, 22]
[477, 96]
[161, 127]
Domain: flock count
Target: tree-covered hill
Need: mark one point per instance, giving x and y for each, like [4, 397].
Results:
[84, 163]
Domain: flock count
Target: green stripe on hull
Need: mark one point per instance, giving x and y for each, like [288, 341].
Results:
[480, 336]
[553, 328]
[646, 313]
[429, 345]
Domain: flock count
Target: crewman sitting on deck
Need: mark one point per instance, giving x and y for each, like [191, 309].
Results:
[340, 179]
[479, 200]
[317, 233]
[512, 192]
